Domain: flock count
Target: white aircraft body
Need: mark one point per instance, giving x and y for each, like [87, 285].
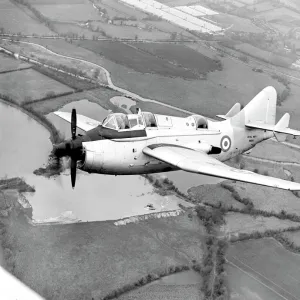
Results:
[127, 144]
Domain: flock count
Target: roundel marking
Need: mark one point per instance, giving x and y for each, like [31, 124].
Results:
[225, 143]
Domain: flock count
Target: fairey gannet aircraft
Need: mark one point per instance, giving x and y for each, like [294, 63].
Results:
[149, 143]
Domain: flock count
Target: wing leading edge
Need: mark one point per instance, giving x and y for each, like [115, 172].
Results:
[201, 163]
[83, 122]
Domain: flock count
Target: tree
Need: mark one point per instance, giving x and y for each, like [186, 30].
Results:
[96, 73]
[173, 35]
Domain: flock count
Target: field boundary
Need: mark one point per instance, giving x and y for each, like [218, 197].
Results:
[15, 70]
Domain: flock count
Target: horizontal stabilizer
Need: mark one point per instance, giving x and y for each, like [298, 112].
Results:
[236, 108]
[280, 128]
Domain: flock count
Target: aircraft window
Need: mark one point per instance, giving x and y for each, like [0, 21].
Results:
[109, 122]
[122, 121]
[140, 120]
[149, 119]
[133, 122]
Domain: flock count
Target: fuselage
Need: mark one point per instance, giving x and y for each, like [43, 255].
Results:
[120, 152]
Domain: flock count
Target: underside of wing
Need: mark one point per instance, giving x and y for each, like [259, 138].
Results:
[199, 162]
[83, 122]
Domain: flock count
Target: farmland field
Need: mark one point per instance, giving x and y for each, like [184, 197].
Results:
[270, 264]
[7, 63]
[137, 60]
[214, 194]
[82, 11]
[88, 258]
[39, 53]
[260, 7]
[99, 95]
[244, 286]
[283, 14]
[237, 23]
[13, 18]
[69, 28]
[236, 81]
[276, 151]
[29, 84]
[180, 55]
[265, 55]
[242, 223]
[116, 8]
[266, 199]
[170, 28]
[129, 32]
[282, 28]
[293, 237]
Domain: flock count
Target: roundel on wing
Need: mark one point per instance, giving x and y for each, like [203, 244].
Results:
[225, 143]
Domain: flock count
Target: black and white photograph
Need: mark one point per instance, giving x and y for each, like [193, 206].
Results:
[150, 149]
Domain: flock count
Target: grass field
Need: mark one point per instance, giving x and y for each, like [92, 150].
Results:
[129, 32]
[12, 20]
[267, 56]
[293, 237]
[100, 96]
[237, 82]
[281, 13]
[29, 85]
[237, 223]
[270, 264]
[237, 23]
[214, 194]
[70, 29]
[276, 151]
[116, 8]
[180, 55]
[166, 292]
[39, 53]
[169, 27]
[7, 63]
[139, 61]
[282, 28]
[260, 7]
[267, 199]
[81, 11]
[92, 259]
[245, 286]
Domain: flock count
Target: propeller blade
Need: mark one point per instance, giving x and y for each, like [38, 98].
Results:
[73, 171]
[73, 123]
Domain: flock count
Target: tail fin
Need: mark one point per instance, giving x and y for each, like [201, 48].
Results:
[236, 108]
[281, 126]
[261, 109]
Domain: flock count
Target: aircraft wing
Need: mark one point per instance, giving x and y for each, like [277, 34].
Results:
[83, 122]
[199, 162]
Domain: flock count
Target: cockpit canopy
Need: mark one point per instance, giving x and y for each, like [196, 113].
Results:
[120, 121]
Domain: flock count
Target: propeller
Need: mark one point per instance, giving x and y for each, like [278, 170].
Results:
[71, 148]
[73, 157]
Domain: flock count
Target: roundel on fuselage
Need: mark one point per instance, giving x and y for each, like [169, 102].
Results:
[225, 143]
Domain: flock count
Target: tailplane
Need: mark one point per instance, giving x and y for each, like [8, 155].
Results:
[260, 113]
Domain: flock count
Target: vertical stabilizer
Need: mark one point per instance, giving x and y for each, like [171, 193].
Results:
[261, 109]
[282, 124]
[236, 108]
